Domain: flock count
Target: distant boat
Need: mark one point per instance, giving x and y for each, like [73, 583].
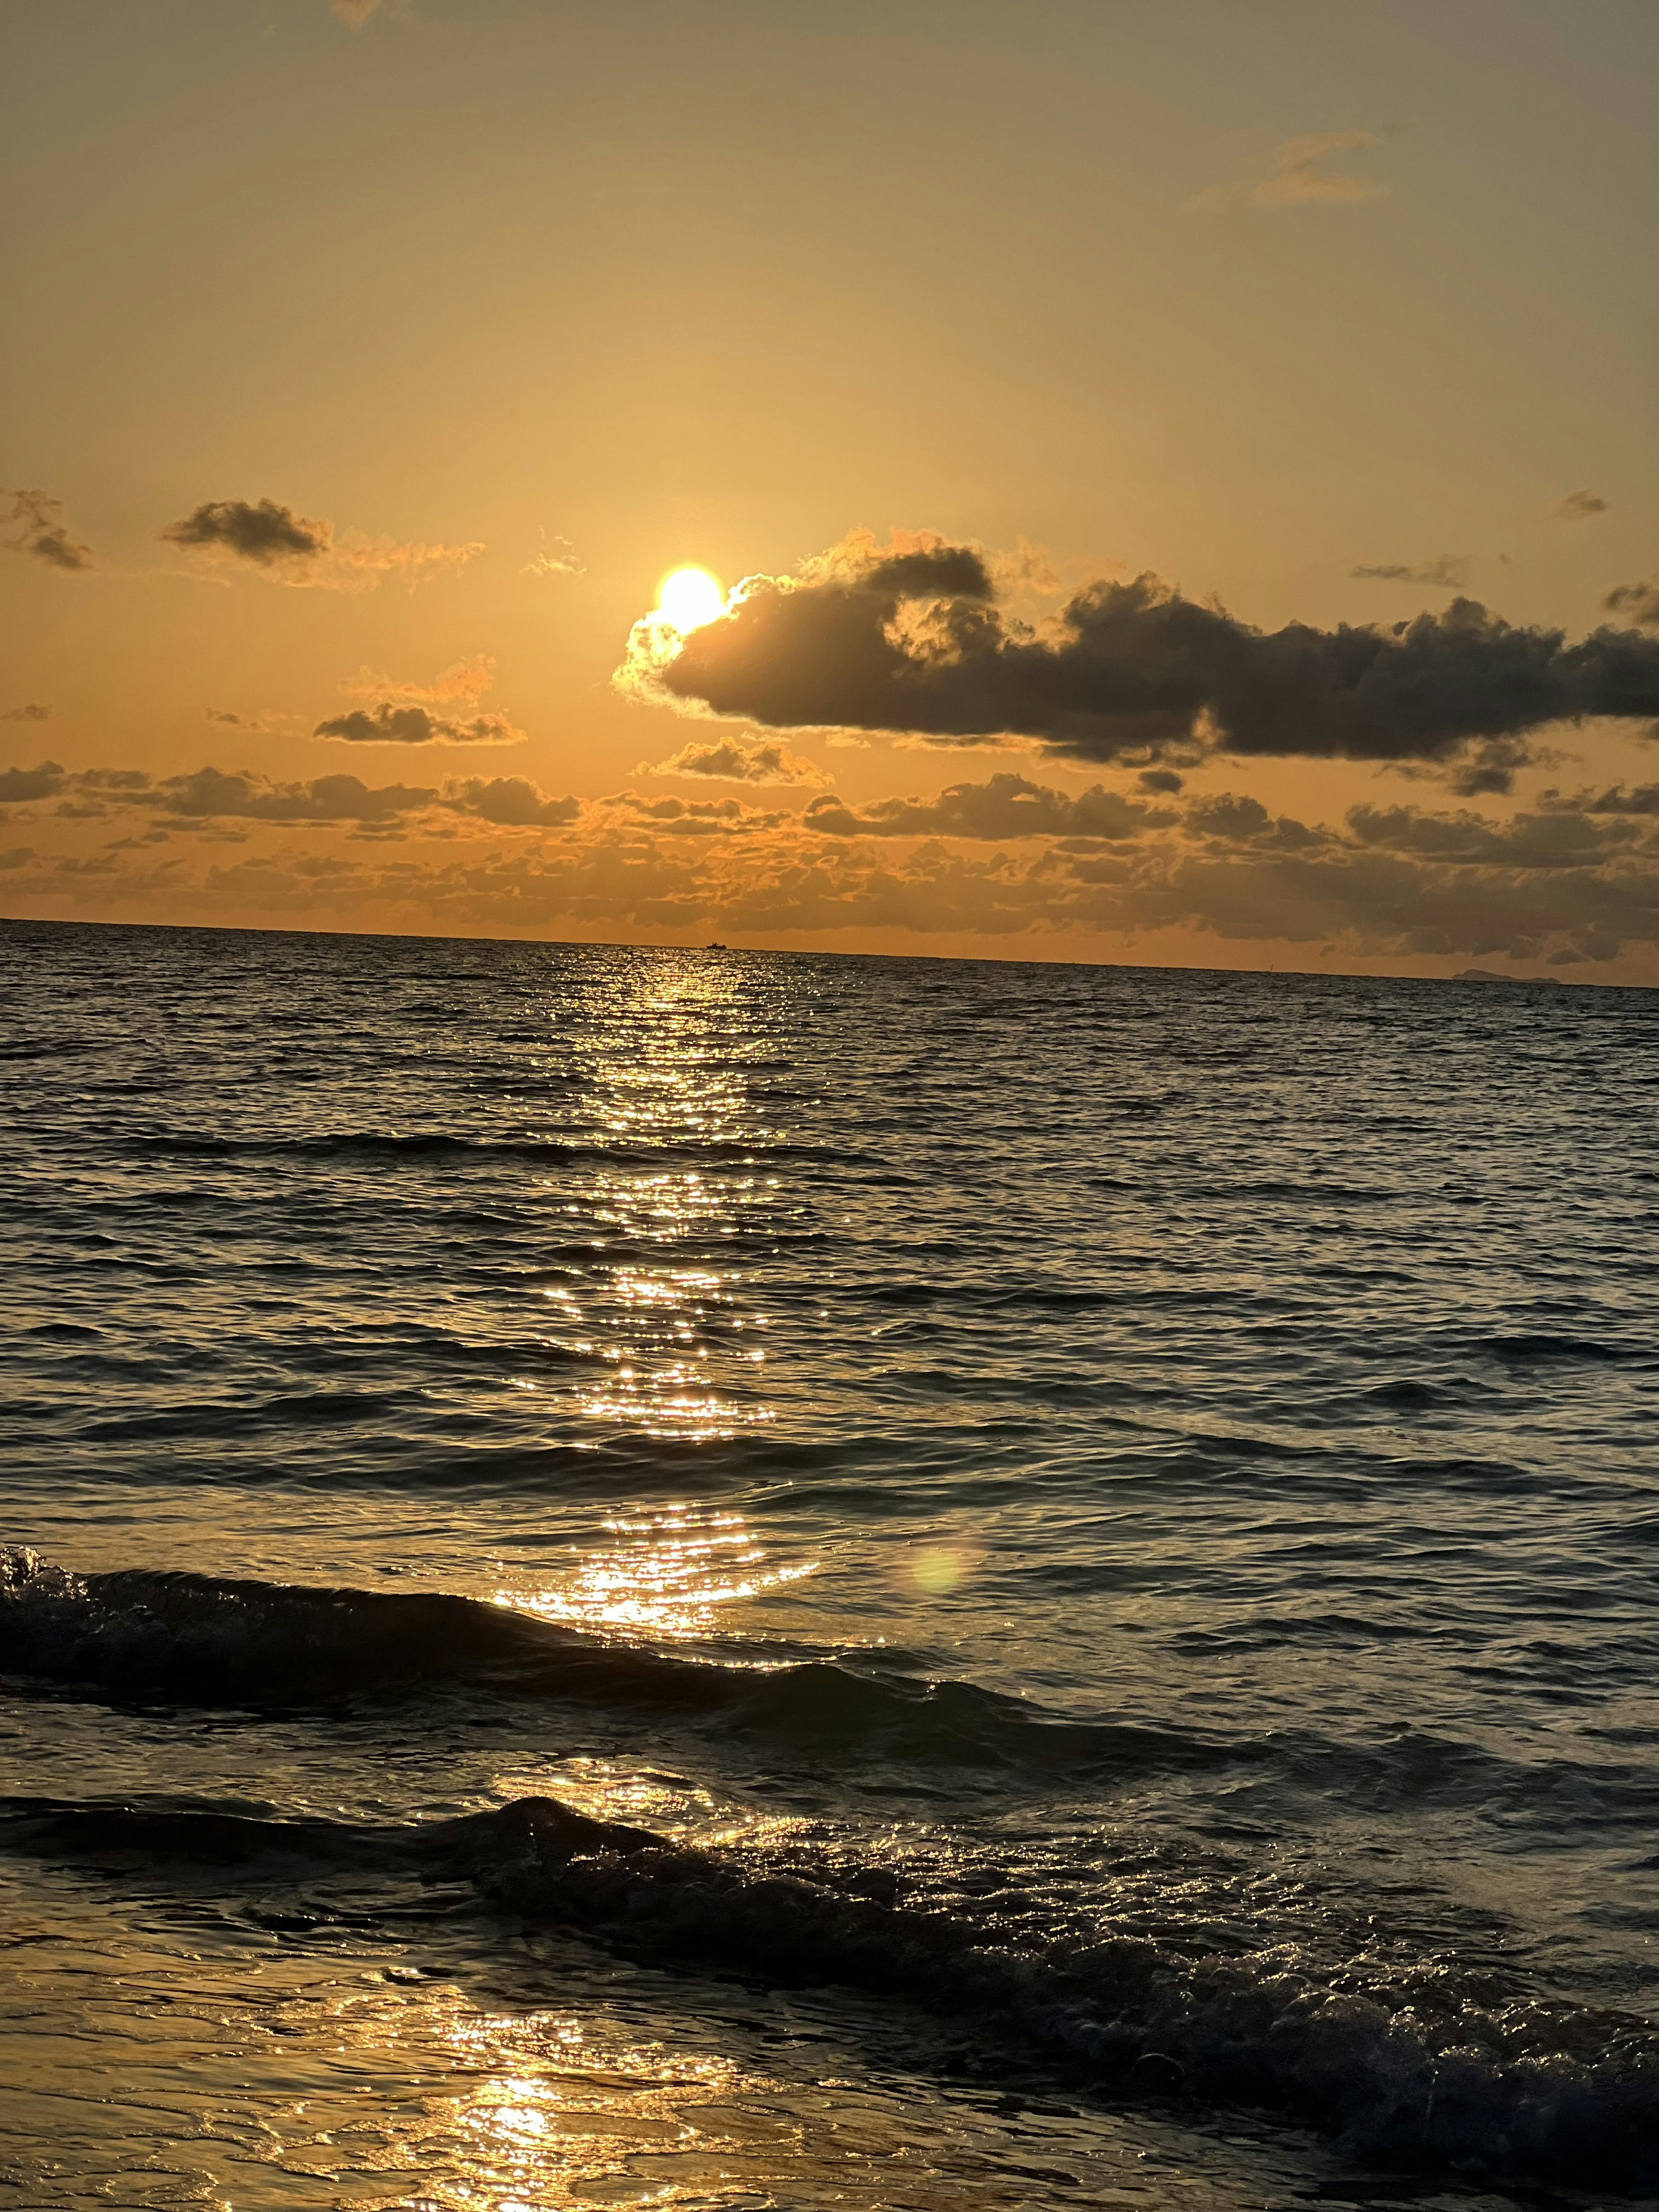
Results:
[714, 948]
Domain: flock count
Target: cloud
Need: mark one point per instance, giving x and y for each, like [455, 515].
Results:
[1569, 883]
[1579, 507]
[391, 725]
[261, 531]
[464, 682]
[42, 534]
[1297, 173]
[730, 760]
[16, 856]
[19, 784]
[1448, 572]
[1643, 800]
[510, 801]
[304, 551]
[557, 557]
[1552, 840]
[209, 793]
[1637, 603]
[29, 713]
[357, 13]
[1006, 807]
[912, 641]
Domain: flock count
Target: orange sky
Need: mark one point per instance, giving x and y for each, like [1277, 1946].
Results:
[506, 310]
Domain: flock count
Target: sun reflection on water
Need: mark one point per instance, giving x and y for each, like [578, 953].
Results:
[667, 1575]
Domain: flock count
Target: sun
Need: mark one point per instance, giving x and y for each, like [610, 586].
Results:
[689, 598]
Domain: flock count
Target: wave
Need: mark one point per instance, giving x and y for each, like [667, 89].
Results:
[1403, 2061]
[138, 1635]
[208, 1641]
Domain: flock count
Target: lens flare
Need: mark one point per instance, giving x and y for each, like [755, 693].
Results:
[689, 598]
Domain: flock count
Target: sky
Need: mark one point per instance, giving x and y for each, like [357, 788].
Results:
[1180, 476]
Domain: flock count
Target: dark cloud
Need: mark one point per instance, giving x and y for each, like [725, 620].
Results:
[41, 532]
[1005, 806]
[1579, 506]
[16, 856]
[390, 724]
[29, 713]
[209, 793]
[18, 785]
[1644, 800]
[1527, 840]
[511, 801]
[1160, 780]
[1228, 819]
[1127, 671]
[1448, 572]
[259, 531]
[1637, 603]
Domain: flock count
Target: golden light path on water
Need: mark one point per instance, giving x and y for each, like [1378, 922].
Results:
[677, 1341]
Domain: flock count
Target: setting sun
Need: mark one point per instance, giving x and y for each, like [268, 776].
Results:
[690, 598]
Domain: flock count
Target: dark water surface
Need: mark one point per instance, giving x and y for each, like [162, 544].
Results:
[736, 1580]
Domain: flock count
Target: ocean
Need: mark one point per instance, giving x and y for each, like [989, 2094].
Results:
[724, 1579]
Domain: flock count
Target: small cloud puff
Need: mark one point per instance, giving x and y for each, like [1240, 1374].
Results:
[557, 557]
[304, 551]
[33, 713]
[1298, 173]
[1579, 507]
[1448, 572]
[1637, 603]
[732, 760]
[256, 531]
[42, 535]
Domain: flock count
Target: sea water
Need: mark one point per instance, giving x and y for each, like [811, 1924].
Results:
[722, 1579]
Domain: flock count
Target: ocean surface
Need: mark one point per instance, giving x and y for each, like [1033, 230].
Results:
[735, 1580]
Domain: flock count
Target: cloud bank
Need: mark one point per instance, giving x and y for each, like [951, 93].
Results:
[1575, 880]
[911, 640]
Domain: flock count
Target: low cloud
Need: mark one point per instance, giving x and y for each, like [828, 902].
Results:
[1527, 840]
[910, 639]
[729, 760]
[30, 713]
[1637, 603]
[1448, 572]
[401, 714]
[1643, 800]
[391, 725]
[510, 801]
[19, 785]
[1579, 507]
[41, 532]
[1003, 807]
[305, 551]
[1573, 881]
[357, 13]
